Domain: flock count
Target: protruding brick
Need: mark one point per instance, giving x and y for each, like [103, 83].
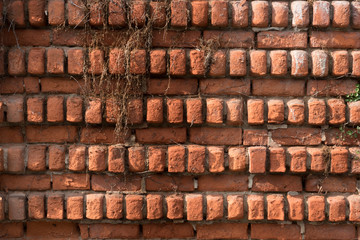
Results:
[339, 160]
[356, 63]
[296, 207]
[237, 62]
[297, 159]
[355, 16]
[16, 159]
[114, 206]
[158, 13]
[94, 206]
[36, 9]
[277, 159]
[280, 14]
[138, 61]
[337, 208]
[36, 206]
[299, 63]
[197, 62]
[354, 111]
[258, 66]
[36, 61]
[300, 12]
[175, 206]
[116, 61]
[336, 111]
[177, 59]
[255, 207]
[16, 61]
[275, 207]
[77, 158]
[76, 13]
[154, 110]
[96, 58]
[97, 158]
[355, 157]
[218, 64]
[237, 159]
[340, 61]
[16, 13]
[93, 113]
[117, 13]
[214, 207]
[320, 63]
[55, 60]
[296, 111]
[354, 206]
[317, 111]
[179, 13]
[278, 60]
[316, 208]
[35, 109]
[321, 14]
[196, 159]
[255, 108]
[318, 163]
[55, 206]
[56, 12]
[16, 206]
[157, 61]
[154, 204]
[214, 110]
[96, 12]
[176, 158]
[75, 207]
[275, 111]
[199, 16]
[257, 159]
[260, 13]
[137, 159]
[234, 111]
[36, 158]
[194, 111]
[138, 13]
[135, 111]
[175, 110]
[55, 109]
[219, 13]
[116, 159]
[341, 15]
[156, 158]
[235, 206]
[134, 205]
[74, 106]
[56, 157]
[216, 159]
[75, 61]
[240, 13]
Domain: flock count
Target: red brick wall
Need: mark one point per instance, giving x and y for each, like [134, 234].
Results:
[237, 141]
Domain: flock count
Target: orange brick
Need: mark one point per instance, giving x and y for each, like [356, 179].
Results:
[96, 13]
[175, 206]
[16, 61]
[277, 159]
[197, 62]
[55, 109]
[75, 207]
[257, 159]
[176, 159]
[116, 159]
[255, 108]
[16, 13]
[156, 158]
[55, 206]
[237, 62]
[300, 12]
[354, 206]
[158, 61]
[355, 157]
[316, 208]
[94, 206]
[356, 63]
[36, 206]
[77, 158]
[258, 66]
[114, 206]
[194, 207]
[275, 207]
[135, 111]
[138, 13]
[237, 159]
[216, 159]
[297, 159]
[75, 61]
[214, 207]
[240, 13]
[340, 61]
[35, 109]
[339, 160]
[138, 61]
[137, 159]
[175, 110]
[296, 207]
[355, 17]
[56, 12]
[278, 60]
[177, 62]
[299, 63]
[116, 61]
[354, 111]
[36, 61]
[296, 111]
[96, 58]
[154, 204]
[320, 63]
[336, 111]
[255, 207]
[194, 111]
[36, 158]
[337, 208]
[134, 205]
[16, 159]
[97, 158]
[218, 64]
[260, 13]
[117, 13]
[234, 111]
[321, 14]
[196, 159]
[318, 163]
[214, 110]
[280, 14]
[219, 13]
[76, 13]
[179, 13]
[235, 206]
[317, 111]
[74, 106]
[199, 16]
[341, 15]
[93, 113]
[154, 110]
[55, 60]
[275, 111]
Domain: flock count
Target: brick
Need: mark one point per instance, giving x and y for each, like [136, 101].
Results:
[36, 61]
[334, 39]
[330, 184]
[25, 182]
[297, 136]
[176, 87]
[255, 137]
[354, 208]
[36, 208]
[317, 160]
[297, 159]
[74, 106]
[355, 15]
[138, 13]
[276, 183]
[26, 37]
[96, 58]
[196, 159]
[296, 109]
[31, 85]
[55, 60]
[175, 38]
[60, 85]
[215, 207]
[77, 158]
[354, 156]
[75, 61]
[136, 159]
[321, 14]
[134, 204]
[281, 40]
[327, 231]
[275, 207]
[255, 109]
[317, 111]
[40, 230]
[156, 158]
[154, 204]
[339, 160]
[57, 157]
[235, 207]
[279, 14]
[216, 160]
[356, 63]
[11, 135]
[71, 181]
[237, 62]
[55, 109]
[111, 110]
[218, 64]
[237, 159]
[166, 183]
[116, 60]
[199, 16]
[114, 206]
[219, 13]
[234, 111]
[93, 113]
[97, 158]
[154, 109]
[197, 62]
[16, 61]
[275, 111]
[158, 61]
[96, 13]
[2, 161]
[35, 109]
[16, 206]
[316, 208]
[175, 110]
[257, 159]
[16, 13]
[14, 108]
[341, 14]
[168, 230]
[221, 231]
[300, 11]
[223, 183]
[135, 111]
[337, 208]
[56, 12]
[258, 62]
[107, 230]
[94, 206]
[240, 14]
[2, 58]
[296, 207]
[36, 13]
[76, 13]
[299, 63]
[115, 183]
[36, 160]
[230, 39]
[158, 13]
[175, 206]
[320, 63]
[194, 207]
[55, 206]
[216, 136]
[278, 63]
[53, 134]
[277, 159]
[117, 13]
[194, 111]
[176, 159]
[340, 61]
[260, 14]
[214, 110]
[16, 159]
[116, 159]
[232, 87]
[75, 207]
[271, 231]
[138, 61]
[177, 61]
[161, 135]
[179, 14]
[336, 111]
[255, 207]
[278, 87]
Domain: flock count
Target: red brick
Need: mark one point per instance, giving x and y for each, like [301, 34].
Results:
[114, 206]
[16, 206]
[2, 208]
[114, 231]
[194, 207]
[77, 158]
[16, 13]
[257, 159]
[75, 61]
[16, 159]
[175, 110]
[355, 15]
[177, 59]
[154, 204]
[74, 105]
[36, 158]
[56, 12]
[255, 137]
[275, 207]
[2, 56]
[234, 111]
[197, 62]
[317, 111]
[330, 184]
[154, 109]
[278, 60]
[219, 13]
[36, 61]
[215, 207]
[96, 58]
[55, 206]
[196, 159]
[55, 60]
[134, 204]
[296, 207]
[135, 111]
[96, 13]
[336, 111]
[161, 135]
[216, 160]
[221, 231]
[276, 183]
[258, 62]
[235, 205]
[97, 158]
[231, 39]
[355, 156]
[341, 15]
[176, 87]
[199, 16]
[11, 135]
[75, 207]
[116, 61]
[214, 108]
[176, 159]
[297, 136]
[335, 137]
[299, 63]
[60, 85]
[339, 160]
[175, 206]
[43, 230]
[2, 160]
[116, 159]
[36, 208]
[321, 14]
[318, 163]
[94, 206]
[216, 136]
[354, 208]
[356, 63]
[76, 13]
[136, 159]
[194, 111]
[71, 181]
[271, 231]
[335, 39]
[276, 87]
[320, 63]
[117, 13]
[316, 208]
[115, 183]
[279, 14]
[255, 207]
[168, 230]
[281, 39]
[172, 38]
[16, 61]
[223, 183]
[218, 64]
[14, 108]
[240, 14]
[255, 109]
[277, 159]
[179, 13]
[35, 109]
[138, 61]
[54, 134]
[55, 109]
[56, 157]
[93, 113]
[275, 111]
[25, 182]
[260, 14]
[330, 87]
[36, 10]
[157, 61]
[138, 13]
[340, 61]
[26, 37]
[166, 183]
[237, 62]
[31, 85]
[327, 231]
[300, 11]
[156, 158]
[337, 208]
[237, 159]
[158, 13]
[297, 159]
[228, 86]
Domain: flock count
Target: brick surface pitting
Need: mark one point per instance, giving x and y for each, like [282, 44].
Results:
[237, 132]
